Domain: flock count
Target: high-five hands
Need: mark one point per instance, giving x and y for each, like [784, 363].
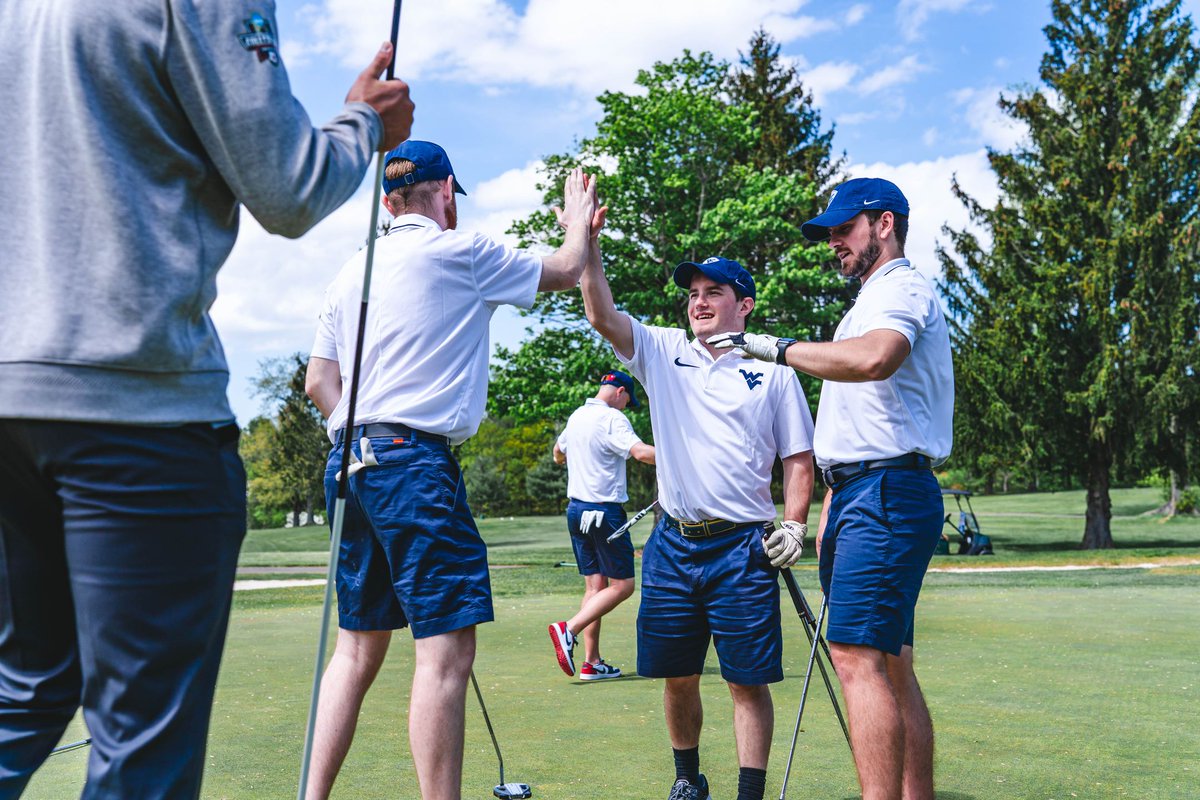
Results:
[579, 201]
[786, 543]
[601, 212]
[758, 345]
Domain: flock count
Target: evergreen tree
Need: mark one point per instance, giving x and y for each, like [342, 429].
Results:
[1058, 323]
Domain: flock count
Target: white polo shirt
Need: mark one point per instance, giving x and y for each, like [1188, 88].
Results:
[913, 410]
[597, 440]
[425, 353]
[718, 425]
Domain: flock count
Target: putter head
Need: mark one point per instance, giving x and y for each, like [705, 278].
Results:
[512, 790]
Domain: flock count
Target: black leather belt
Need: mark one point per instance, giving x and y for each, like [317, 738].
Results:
[707, 527]
[376, 430]
[840, 473]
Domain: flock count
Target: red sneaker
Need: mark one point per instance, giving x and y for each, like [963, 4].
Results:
[564, 645]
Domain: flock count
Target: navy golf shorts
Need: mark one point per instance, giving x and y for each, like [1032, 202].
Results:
[410, 552]
[721, 588]
[882, 529]
[594, 554]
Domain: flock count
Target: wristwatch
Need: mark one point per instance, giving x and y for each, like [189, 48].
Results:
[781, 353]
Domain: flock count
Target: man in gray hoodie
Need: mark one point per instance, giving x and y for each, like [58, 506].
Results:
[122, 497]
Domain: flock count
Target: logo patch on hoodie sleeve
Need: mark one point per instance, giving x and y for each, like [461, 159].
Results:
[260, 39]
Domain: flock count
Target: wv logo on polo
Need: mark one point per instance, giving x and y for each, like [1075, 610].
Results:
[752, 378]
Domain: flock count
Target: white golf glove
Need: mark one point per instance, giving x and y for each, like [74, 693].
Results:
[590, 519]
[785, 545]
[758, 345]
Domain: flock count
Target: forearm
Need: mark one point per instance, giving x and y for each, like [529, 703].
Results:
[797, 486]
[874, 356]
[824, 515]
[562, 268]
[643, 453]
[598, 304]
[323, 384]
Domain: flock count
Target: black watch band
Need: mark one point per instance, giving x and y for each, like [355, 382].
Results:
[781, 353]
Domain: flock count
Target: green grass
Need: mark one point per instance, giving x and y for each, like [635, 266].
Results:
[1046, 685]
[1026, 530]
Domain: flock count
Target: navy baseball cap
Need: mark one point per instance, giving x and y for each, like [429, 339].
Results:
[430, 160]
[720, 270]
[852, 198]
[617, 378]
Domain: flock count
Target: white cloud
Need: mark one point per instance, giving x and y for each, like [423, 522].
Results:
[912, 14]
[926, 184]
[825, 79]
[487, 43]
[930, 137]
[856, 14]
[504, 199]
[904, 72]
[982, 115]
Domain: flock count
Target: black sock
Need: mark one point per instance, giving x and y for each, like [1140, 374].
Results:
[752, 783]
[687, 764]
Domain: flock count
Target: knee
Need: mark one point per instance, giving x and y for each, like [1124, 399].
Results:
[750, 694]
[854, 663]
[449, 655]
[681, 688]
[624, 587]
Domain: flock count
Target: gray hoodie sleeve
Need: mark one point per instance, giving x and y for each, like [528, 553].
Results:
[222, 62]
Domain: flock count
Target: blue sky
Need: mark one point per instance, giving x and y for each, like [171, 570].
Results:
[910, 86]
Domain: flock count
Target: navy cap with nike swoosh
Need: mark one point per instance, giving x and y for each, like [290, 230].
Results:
[852, 198]
[720, 270]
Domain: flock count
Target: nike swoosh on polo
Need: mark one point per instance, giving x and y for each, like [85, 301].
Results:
[869, 202]
[679, 363]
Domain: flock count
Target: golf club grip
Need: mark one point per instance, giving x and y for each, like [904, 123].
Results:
[630, 523]
[391, 70]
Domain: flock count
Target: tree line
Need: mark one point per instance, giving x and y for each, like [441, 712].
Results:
[1074, 300]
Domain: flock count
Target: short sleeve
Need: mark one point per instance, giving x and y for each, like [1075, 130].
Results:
[621, 437]
[325, 343]
[906, 310]
[793, 423]
[505, 276]
[647, 344]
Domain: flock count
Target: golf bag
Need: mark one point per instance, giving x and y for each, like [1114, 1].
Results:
[973, 543]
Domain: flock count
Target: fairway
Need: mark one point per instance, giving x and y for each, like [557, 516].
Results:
[1042, 685]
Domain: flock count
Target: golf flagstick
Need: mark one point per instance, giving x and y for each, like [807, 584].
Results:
[636, 518]
[339, 507]
[803, 696]
[809, 624]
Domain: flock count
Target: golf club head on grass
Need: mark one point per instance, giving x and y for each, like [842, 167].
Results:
[512, 790]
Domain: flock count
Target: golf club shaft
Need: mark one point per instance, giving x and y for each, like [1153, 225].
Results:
[339, 508]
[809, 625]
[632, 521]
[812, 655]
[66, 748]
[488, 721]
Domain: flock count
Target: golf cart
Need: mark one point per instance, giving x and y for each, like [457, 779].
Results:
[970, 541]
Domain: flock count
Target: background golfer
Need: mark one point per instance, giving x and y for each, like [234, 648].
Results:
[594, 446]
[719, 424]
[410, 552]
[885, 418]
[122, 497]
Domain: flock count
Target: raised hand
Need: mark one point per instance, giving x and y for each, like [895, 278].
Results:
[580, 204]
